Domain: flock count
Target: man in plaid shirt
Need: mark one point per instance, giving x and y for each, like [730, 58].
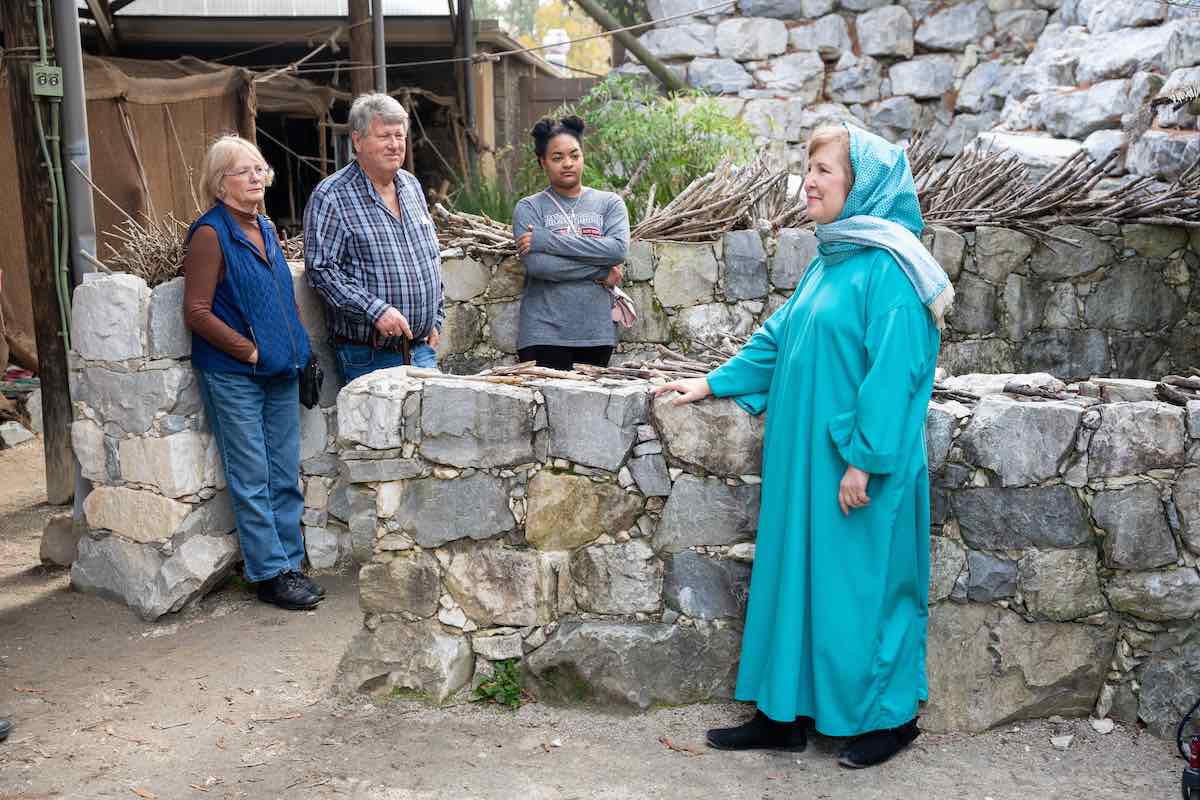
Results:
[371, 251]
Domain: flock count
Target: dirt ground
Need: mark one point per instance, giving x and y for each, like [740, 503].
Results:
[233, 699]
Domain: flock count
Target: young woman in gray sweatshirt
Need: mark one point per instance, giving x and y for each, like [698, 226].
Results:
[572, 241]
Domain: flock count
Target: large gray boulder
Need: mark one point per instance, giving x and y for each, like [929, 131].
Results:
[569, 511]
[407, 584]
[166, 334]
[108, 317]
[1132, 297]
[681, 41]
[1060, 585]
[1135, 438]
[1014, 519]
[924, 77]
[801, 75]
[473, 424]
[987, 666]
[419, 656]
[435, 511]
[593, 425]
[855, 79]
[706, 588]
[1076, 113]
[886, 31]
[1138, 536]
[497, 585]
[145, 579]
[635, 665]
[1186, 496]
[128, 402]
[617, 578]
[706, 511]
[828, 37]
[716, 436]
[955, 27]
[718, 75]
[751, 38]
[1163, 154]
[1157, 596]
[1023, 443]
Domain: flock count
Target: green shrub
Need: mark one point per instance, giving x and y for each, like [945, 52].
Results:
[503, 688]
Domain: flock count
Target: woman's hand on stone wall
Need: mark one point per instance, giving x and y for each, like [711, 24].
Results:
[690, 390]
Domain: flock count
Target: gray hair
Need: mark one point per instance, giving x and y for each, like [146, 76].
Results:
[366, 108]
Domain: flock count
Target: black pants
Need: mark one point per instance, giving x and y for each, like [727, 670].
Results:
[556, 357]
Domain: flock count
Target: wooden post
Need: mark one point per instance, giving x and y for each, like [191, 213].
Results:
[20, 31]
[361, 54]
[485, 117]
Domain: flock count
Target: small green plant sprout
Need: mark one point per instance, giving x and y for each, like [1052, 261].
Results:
[503, 687]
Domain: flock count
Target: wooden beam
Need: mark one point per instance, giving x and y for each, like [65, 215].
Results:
[485, 117]
[361, 54]
[102, 16]
[20, 30]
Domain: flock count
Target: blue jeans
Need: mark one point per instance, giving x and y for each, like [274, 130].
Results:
[356, 360]
[256, 422]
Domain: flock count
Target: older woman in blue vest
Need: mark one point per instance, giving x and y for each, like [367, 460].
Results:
[248, 348]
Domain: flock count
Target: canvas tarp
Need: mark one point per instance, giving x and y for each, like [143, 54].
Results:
[149, 124]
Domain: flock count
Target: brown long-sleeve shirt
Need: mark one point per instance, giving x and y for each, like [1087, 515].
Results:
[203, 268]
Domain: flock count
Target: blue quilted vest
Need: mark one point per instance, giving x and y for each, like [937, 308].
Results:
[255, 298]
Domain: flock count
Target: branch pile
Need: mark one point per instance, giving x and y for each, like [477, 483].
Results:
[153, 250]
[472, 234]
[729, 198]
[1179, 389]
[982, 186]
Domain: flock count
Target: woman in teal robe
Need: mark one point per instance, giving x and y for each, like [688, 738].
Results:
[836, 622]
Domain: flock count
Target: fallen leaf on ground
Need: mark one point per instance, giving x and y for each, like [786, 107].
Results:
[146, 793]
[28, 690]
[198, 787]
[685, 749]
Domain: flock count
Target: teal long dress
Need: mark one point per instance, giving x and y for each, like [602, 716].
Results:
[835, 627]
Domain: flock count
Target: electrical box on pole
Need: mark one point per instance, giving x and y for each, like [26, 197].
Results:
[46, 81]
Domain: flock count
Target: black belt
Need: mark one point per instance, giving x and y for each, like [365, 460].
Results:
[404, 347]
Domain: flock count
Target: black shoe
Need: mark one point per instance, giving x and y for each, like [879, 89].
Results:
[312, 585]
[877, 747]
[288, 590]
[762, 733]
[5, 729]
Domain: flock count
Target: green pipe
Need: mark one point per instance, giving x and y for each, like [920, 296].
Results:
[63, 264]
[41, 20]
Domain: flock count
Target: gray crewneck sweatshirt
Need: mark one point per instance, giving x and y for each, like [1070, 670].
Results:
[563, 305]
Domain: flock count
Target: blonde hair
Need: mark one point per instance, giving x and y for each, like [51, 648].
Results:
[220, 156]
[833, 134]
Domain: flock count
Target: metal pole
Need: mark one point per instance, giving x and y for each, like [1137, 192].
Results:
[75, 137]
[380, 51]
[82, 216]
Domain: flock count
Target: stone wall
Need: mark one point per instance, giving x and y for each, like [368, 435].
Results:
[1050, 76]
[1125, 302]
[159, 517]
[605, 539]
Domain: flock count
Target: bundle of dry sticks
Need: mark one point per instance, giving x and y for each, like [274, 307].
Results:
[1179, 389]
[472, 234]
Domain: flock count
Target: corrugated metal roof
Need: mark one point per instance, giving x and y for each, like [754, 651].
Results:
[273, 8]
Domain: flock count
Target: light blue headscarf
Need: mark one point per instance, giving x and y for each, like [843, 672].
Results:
[882, 211]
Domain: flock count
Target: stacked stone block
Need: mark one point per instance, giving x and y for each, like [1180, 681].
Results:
[159, 518]
[605, 538]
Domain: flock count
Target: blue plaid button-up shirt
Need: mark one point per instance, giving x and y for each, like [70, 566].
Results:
[362, 260]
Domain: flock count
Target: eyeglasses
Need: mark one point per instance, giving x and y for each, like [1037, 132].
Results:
[258, 172]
